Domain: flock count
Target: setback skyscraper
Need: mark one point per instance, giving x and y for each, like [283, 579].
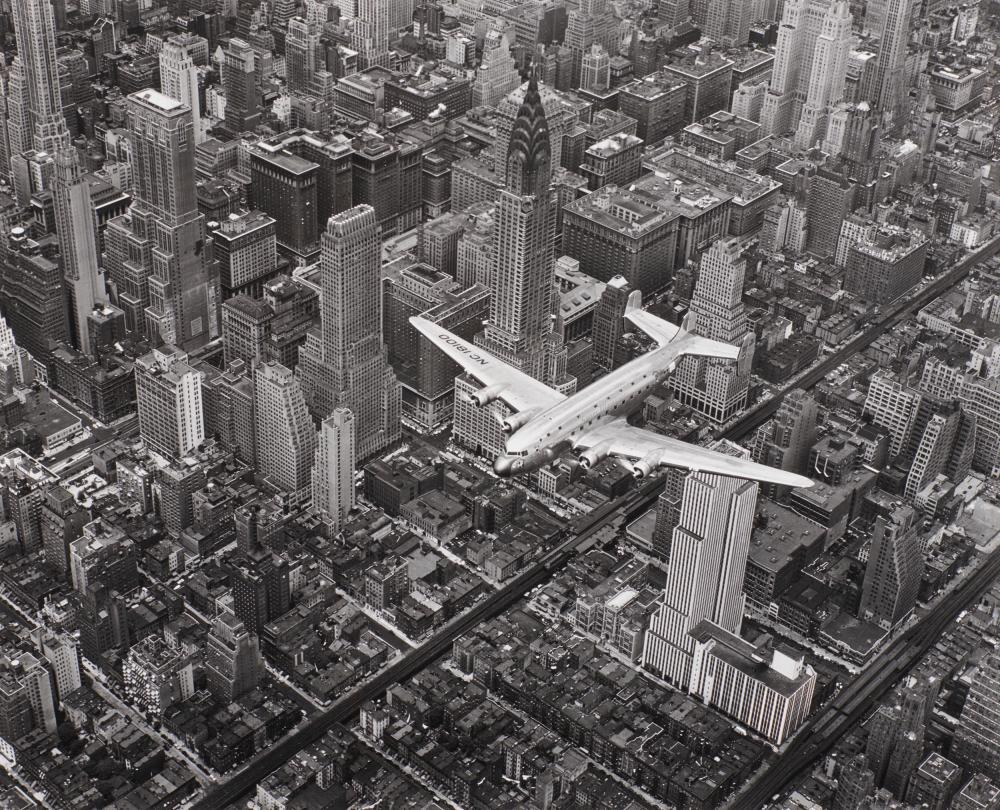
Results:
[977, 741]
[718, 388]
[810, 66]
[344, 364]
[707, 552]
[333, 472]
[157, 254]
[76, 226]
[520, 326]
[36, 47]
[179, 76]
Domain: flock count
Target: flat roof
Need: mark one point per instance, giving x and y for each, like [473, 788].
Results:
[155, 98]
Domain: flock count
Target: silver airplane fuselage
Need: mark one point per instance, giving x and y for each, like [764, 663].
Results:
[548, 434]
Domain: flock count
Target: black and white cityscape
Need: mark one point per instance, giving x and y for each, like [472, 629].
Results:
[500, 404]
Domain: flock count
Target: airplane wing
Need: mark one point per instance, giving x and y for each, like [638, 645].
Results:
[651, 451]
[664, 332]
[660, 330]
[517, 389]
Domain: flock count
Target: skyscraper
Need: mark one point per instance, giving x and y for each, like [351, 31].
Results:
[76, 226]
[36, 47]
[891, 85]
[157, 256]
[233, 663]
[286, 438]
[807, 67]
[520, 327]
[977, 740]
[704, 577]
[345, 364]
[829, 70]
[718, 388]
[591, 23]
[785, 441]
[27, 701]
[895, 568]
[301, 54]
[496, 75]
[168, 397]
[855, 783]
[609, 322]
[239, 79]
[370, 36]
[333, 472]
[179, 76]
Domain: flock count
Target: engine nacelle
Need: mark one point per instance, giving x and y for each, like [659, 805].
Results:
[484, 396]
[645, 466]
[516, 421]
[595, 455]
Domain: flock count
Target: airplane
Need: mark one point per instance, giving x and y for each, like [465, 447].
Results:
[547, 423]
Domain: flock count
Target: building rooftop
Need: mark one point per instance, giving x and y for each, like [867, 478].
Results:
[783, 534]
[156, 99]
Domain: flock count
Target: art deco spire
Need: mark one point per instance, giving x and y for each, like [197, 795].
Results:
[529, 155]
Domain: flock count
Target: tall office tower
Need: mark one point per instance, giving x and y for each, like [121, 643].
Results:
[519, 330]
[893, 406]
[158, 254]
[261, 589]
[168, 398]
[370, 36]
[36, 47]
[345, 364]
[609, 323]
[27, 700]
[63, 655]
[977, 740]
[18, 120]
[942, 442]
[591, 23]
[718, 388]
[785, 441]
[62, 522]
[829, 70]
[797, 71]
[520, 324]
[883, 731]
[233, 663]
[830, 201]
[855, 783]
[286, 438]
[426, 374]
[497, 74]
[239, 80]
[704, 578]
[595, 70]
[895, 568]
[76, 226]
[891, 85]
[905, 757]
[725, 21]
[301, 55]
[179, 76]
[672, 13]
[333, 471]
